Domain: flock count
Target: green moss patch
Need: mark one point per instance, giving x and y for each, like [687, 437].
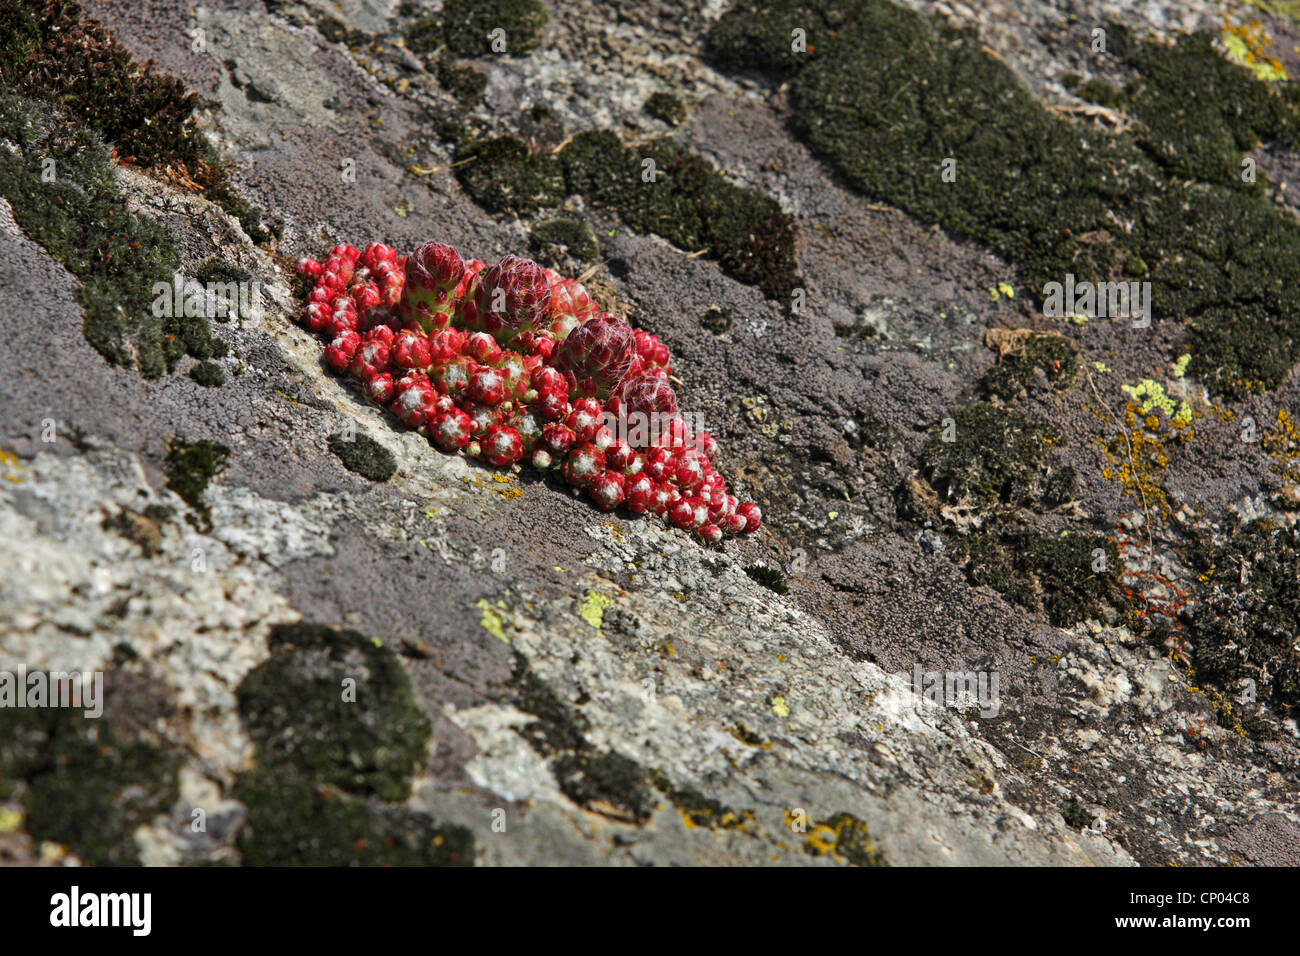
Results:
[996, 456]
[463, 82]
[689, 203]
[558, 727]
[502, 174]
[1247, 624]
[666, 107]
[364, 456]
[338, 708]
[1018, 370]
[1070, 578]
[190, 466]
[657, 187]
[89, 784]
[52, 51]
[558, 241]
[81, 217]
[208, 374]
[886, 95]
[296, 821]
[339, 737]
[770, 578]
[467, 26]
[606, 783]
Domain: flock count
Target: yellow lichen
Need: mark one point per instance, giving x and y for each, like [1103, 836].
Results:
[592, 609]
[492, 620]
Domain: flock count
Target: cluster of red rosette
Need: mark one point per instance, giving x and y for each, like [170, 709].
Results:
[511, 362]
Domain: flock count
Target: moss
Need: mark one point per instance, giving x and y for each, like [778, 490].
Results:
[52, 51]
[558, 728]
[364, 456]
[424, 35]
[666, 107]
[885, 94]
[296, 821]
[1071, 578]
[190, 466]
[716, 320]
[689, 203]
[218, 271]
[90, 784]
[1247, 624]
[466, 25]
[605, 783]
[994, 458]
[1017, 371]
[502, 174]
[208, 374]
[463, 82]
[770, 578]
[1076, 814]
[330, 770]
[83, 220]
[559, 240]
[304, 712]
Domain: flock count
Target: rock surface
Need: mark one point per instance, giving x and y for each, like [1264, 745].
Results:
[598, 689]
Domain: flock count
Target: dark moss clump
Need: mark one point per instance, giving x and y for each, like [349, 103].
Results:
[218, 271]
[1017, 371]
[208, 374]
[1247, 626]
[666, 107]
[606, 783]
[338, 708]
[52, 51]
[1070, 578]
[770, 578]
[716, 320]
[90, 784]
[689, 203]
[995, 457]
[558, 241]
[190, 466]
[467, 24]
[502, 174]
[338, 738]
[1076, 814]
[365, 456]
[886, 94]
[83, 220]
[295, 821]
[558, 727]
[463, 82]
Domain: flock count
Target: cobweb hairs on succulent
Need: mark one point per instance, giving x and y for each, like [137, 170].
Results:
[511, 362]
